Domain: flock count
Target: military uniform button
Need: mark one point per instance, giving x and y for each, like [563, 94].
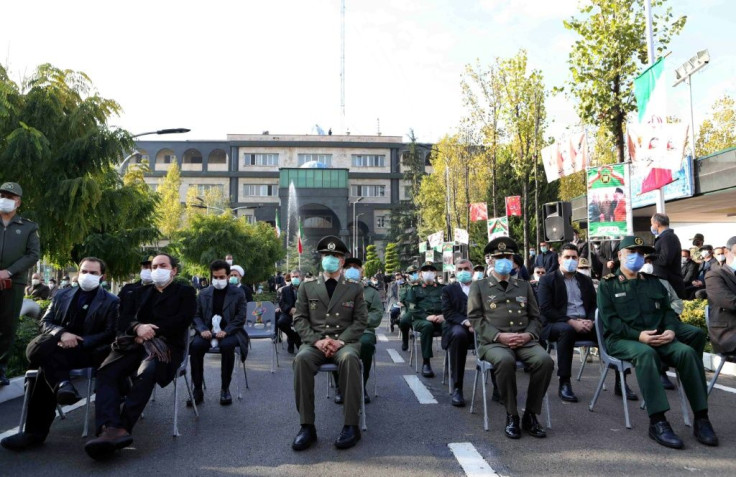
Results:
[511, 323]
[508, 301]
[337, 314]
[511, 311]
[519, 311]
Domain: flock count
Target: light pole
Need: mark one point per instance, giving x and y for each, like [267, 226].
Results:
[123, 164]
[685, 73]
[355, 229]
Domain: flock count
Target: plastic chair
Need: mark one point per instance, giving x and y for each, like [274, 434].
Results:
[724, 358]
[260, 323]
[332, 368]
[485, 367]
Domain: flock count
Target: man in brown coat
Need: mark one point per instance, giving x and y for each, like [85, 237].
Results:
[721, 285]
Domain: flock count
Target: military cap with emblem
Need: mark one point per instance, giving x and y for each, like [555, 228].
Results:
[352, 261]
[479, 268]
[12, 188]
[631, 242]
[411, 269]
[584, 263]
[501, 246]
[428, 266]
[332, 244]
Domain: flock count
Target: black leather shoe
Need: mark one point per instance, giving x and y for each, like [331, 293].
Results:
[338, 396]
[225, 398]
[22, 441]
[513, 429]
[630, 394]
[67, 394]
[349, 436]
[566, 393]
[457, 398]
[427, 371]
[198, 397]
[110, 440]
[306, 436]
[530, 424]
[704, 433]
[662, 433]
[666, 381]
[4, 381]
[366, 397]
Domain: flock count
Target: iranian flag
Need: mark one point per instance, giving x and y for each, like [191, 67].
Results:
[651, 95]
[278, 225]
[299, 247]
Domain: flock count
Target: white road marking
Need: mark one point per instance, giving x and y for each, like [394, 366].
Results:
[66, 409]
[381, 337]
[717, 386]
[420, 390]
[395, 356]
[470, 459]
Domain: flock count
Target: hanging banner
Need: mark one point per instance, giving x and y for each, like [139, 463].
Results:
[429, 255]
[498, 227]
[513, 206]
[461, 236]
[478, 211]
[656, 153]
[566, 156]
[609, 205]
[448, 264]
[422, 246]
[436, 239]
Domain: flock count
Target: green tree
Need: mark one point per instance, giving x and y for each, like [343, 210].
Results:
[55, 141]
[372, 264]
[718, 132]
[309, 261]
[392, 259]
[609, 53]
[170, 208]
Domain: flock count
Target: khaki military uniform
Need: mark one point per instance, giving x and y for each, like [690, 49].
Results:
[493, 310]
[343, 317]
[368, 339]
[422, 301]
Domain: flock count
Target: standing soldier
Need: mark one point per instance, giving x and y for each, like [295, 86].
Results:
[505, 316]
[330, 318]
[424, 301]
[19, 250]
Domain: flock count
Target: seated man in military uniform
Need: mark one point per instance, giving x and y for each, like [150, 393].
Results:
[424, 301]
[504, 314]
[330, 317]
[405, 320]
[640, 326]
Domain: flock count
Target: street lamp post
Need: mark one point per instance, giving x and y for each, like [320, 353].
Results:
[123, 164]
[685, 73]
[355, 230]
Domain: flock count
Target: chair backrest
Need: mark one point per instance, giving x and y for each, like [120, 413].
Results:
[601, 342]
[260, 316]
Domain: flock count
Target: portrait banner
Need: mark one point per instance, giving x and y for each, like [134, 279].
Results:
[498, 227]
[609, 201]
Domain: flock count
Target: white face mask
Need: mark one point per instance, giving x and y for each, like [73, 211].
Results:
[229, 262]
[219, 284]
[7, 205]
[35, 282]
[428, 276]
[721, 258]
[161, 276]
[146, 275]
[705, 253]
[647, 268]
[52, 286]
[88, 282]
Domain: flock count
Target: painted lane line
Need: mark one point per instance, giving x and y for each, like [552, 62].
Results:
[717, 386]
[395, 356]
[66, 409]
[420, 390]
[470, 459]
[381, 337]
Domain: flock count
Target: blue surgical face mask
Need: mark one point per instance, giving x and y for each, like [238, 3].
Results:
[634, 262]
[543, 249]
[414, 276]
[733, 265]
[569, 265]
[503, 266]
[295, 281]
[478, 276]
[464, 276]
[234, 280]
[352, 274]
[654, 230]
[330, 264]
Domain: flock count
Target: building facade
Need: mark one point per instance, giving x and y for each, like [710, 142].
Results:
[339, 185]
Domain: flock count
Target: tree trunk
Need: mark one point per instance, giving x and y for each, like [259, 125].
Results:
[524, 207]
[618, 123]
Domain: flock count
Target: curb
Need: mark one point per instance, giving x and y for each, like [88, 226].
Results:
[711, 362]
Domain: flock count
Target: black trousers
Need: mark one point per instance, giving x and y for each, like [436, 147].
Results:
[459, 341]
[111, 379]
[565, 337]
[54, 369]
[284, 324]
[199, 348]
[11, 301]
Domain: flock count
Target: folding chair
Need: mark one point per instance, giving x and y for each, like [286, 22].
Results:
[485, 367]
[724, 358]
[414, 351]
[332, 368]
[609, 362]
[260, 323]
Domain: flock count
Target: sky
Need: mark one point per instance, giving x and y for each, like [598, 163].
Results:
[243, 67]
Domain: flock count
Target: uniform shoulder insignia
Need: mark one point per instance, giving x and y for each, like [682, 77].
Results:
[609, 276]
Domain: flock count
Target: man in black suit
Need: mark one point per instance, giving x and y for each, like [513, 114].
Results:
[156, 322]
[668, 251]
[226, 301]
[457, 333]
[546, 258]
[286, 305]
[145, 278]
[77, 330]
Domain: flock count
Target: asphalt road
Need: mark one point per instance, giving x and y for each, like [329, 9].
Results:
[404, 437]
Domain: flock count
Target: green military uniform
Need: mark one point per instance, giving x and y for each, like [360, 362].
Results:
[405, 318]
[423, 300]
[629, 306]
[20, 249]
[368, 339]
[342, 317]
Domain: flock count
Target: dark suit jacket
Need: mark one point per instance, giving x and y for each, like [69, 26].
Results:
[552, 294]
[99, 324]
[454, 309]
[288, 299]
[689, 271]
[668, 262]
[548, 261]
[721, 285]
[234, 309]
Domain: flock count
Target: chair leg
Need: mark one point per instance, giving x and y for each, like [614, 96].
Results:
[604, 373]
[191, 396]
[362, 400]
[375, 376]
[585, 360]
[484, 382]
[176, 408]
[715, 376]
[60, 411]
[153, 395]
[85, 431]
[683, 401]
[245, 376]
[546, 410]
[623, 398]
[416, 353]
[475, 386]
[29, 382]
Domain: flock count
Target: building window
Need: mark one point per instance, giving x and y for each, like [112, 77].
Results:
[251, 159]
[325, 159]
[250, 219]
[368, 160]
[407, 192]
[260, 190]
[318, 222]
[202, 189]
[368, 191]
[381, 221]
[168, 158]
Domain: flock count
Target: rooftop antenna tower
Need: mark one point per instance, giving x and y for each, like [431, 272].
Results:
[342, 65]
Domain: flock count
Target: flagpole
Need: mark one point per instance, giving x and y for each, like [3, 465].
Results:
[659, 199]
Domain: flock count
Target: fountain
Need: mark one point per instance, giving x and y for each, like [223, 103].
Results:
[292, 211]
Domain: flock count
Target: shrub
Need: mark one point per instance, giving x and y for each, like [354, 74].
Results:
[694, 314]
[27, 330]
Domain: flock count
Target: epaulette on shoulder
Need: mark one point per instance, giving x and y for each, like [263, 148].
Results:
[609, 276]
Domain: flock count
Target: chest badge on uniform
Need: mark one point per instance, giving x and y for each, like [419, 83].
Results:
[493, 306]
[348, 304]
[17, 231]
[312, 304]
[621, 278]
